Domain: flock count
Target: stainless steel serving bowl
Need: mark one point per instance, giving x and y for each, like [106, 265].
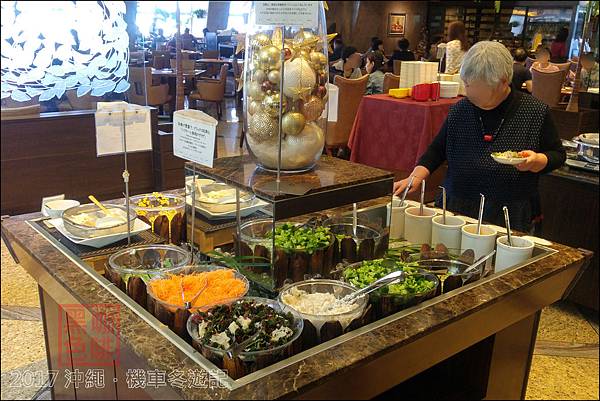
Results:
[587, 149]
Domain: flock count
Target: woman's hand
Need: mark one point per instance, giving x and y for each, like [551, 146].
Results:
[535, 162]
[400, 186]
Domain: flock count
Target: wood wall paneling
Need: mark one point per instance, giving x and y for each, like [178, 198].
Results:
[55, 154]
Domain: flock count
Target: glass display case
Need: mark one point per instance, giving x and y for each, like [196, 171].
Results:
[295, 229]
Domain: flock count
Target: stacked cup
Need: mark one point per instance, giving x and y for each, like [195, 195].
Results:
[482, 244]
[396, 216]
[448, 233]
[508, 256]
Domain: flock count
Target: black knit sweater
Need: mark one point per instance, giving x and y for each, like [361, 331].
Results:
[520, 122]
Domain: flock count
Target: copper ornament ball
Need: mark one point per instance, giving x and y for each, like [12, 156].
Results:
[312, 108]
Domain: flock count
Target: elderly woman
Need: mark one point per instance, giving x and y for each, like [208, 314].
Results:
[493, 118]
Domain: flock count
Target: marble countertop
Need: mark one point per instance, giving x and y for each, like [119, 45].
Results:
[294, 376]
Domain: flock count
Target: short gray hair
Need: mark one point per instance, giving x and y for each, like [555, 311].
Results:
[489, 62]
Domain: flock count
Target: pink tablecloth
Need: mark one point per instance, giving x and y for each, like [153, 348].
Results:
[392, 134]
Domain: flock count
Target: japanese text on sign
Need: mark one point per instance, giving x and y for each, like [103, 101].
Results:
[289, 13]
[194, 135]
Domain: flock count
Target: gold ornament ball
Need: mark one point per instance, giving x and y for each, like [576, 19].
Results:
[269, 57]
[270, 105]
[318, 59]
[312, 108]
[293, 123]
[261, 40]
[253, 107]
[259, 76]
[274, 76]
[255, 91]
[262, 127]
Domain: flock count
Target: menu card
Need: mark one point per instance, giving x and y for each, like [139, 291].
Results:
[194, 136]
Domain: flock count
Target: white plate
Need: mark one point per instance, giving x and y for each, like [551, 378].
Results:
[245, 211]
[512, 161]
[99, 242]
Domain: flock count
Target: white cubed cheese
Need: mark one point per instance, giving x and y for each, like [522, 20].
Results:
[202, 328]
[233, 327]
[221, 339]
[282, 332]
[244, 322]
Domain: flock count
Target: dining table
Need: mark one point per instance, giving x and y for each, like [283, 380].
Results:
[392, 134]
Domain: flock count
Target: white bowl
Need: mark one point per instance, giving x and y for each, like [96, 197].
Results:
[56, 208]
[509, 256]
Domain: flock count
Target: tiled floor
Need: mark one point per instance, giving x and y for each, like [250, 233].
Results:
[565, 363]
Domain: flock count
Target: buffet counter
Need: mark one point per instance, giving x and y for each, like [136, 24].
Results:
[570, 207]
[476, 341]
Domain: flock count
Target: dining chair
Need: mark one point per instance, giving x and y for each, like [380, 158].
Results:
[350, 94]
[546, 86]
[390, 81]
[529, 62]
[212, 69]
[160, 59]
[141, 85]
[211, 90]
[397, 66]
[187, 65]
[563, 66]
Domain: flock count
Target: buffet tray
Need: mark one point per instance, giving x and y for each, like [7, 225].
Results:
[84, 252]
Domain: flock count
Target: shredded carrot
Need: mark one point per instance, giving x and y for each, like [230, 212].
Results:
[221, 285]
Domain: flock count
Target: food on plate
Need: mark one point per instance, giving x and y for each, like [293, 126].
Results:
[100, 219]
[199, 288]
[510, 154]
[226, 325]
[317, 303]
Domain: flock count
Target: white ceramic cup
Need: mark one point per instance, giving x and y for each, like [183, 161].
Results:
[482, 244]
[395, 214]
[449, 234]
[509, 256]
[417, 228]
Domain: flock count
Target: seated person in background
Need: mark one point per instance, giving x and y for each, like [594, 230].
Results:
[589, 71]
[374, 44]
[188, 41]
[338, 46]
[374, 65]
[542, 60]
[158, 39]
[402, 54]
[521, 75]
[349, 65]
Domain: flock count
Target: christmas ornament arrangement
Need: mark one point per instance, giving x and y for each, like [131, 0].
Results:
[285, 79]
